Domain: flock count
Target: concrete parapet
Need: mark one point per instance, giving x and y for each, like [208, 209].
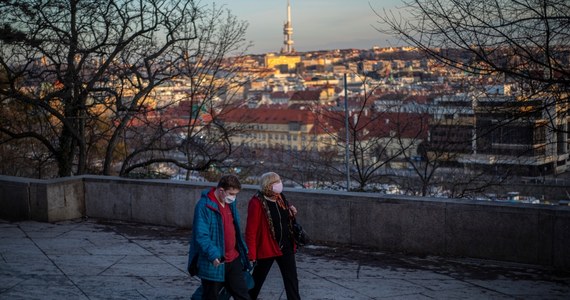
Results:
[41, 200]
[64, 200]
[525, 233]
[161, 202]
[15, 198]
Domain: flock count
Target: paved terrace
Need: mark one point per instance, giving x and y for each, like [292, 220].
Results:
[94, 259]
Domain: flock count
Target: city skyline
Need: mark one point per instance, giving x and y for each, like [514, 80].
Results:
[317, 24]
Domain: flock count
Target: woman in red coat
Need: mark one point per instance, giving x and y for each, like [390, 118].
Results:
[268, 235]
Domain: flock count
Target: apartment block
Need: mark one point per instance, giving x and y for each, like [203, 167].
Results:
[279, 128]
[501, 133]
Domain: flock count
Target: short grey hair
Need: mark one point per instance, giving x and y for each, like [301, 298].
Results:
[267, 180]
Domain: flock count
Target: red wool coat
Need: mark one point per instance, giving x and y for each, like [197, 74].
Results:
[258, 234]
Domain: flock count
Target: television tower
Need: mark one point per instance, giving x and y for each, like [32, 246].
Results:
[288, 33]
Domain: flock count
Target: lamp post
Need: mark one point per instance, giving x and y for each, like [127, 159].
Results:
[347, 145]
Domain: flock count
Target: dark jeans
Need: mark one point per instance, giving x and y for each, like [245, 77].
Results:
[234, 283]
[287, 266]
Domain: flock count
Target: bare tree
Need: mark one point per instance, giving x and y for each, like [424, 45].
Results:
[209, 69]
[64, 58]
[526, 43]
[441, 164]
[86, 69]
[371, 139]
[523, 44]
[523, 40]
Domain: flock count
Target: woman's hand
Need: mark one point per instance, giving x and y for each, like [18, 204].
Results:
[292, 210]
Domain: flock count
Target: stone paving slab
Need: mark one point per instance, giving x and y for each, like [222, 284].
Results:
[96, 259]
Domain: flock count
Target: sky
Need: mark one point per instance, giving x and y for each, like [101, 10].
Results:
[317, 24]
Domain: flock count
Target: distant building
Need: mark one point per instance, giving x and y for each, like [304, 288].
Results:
[288, 129]
[280, 97]
[500, 133]
[451, 129]
[518, 133]
[282, 63]
[310, 98]
[390, 137]
[400, 102]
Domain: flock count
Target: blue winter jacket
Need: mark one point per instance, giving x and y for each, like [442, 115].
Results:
[207, 240]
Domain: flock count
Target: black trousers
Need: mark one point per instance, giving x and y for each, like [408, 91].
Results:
[234, 283]
[287, 266]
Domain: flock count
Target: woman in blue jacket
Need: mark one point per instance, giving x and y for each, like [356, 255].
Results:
[218, 253]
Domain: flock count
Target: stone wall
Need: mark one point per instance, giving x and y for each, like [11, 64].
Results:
[525, 233]
[42, 200]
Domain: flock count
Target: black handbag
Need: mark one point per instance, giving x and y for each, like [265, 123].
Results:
[193, 266]
[299, 234]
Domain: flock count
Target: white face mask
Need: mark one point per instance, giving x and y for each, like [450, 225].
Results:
[230, 199]
[277, 187]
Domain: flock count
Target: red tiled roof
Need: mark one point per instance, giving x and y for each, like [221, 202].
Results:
[306, 95]
[279, 94]
[279, 117]
[267, 115]
[404, 125]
